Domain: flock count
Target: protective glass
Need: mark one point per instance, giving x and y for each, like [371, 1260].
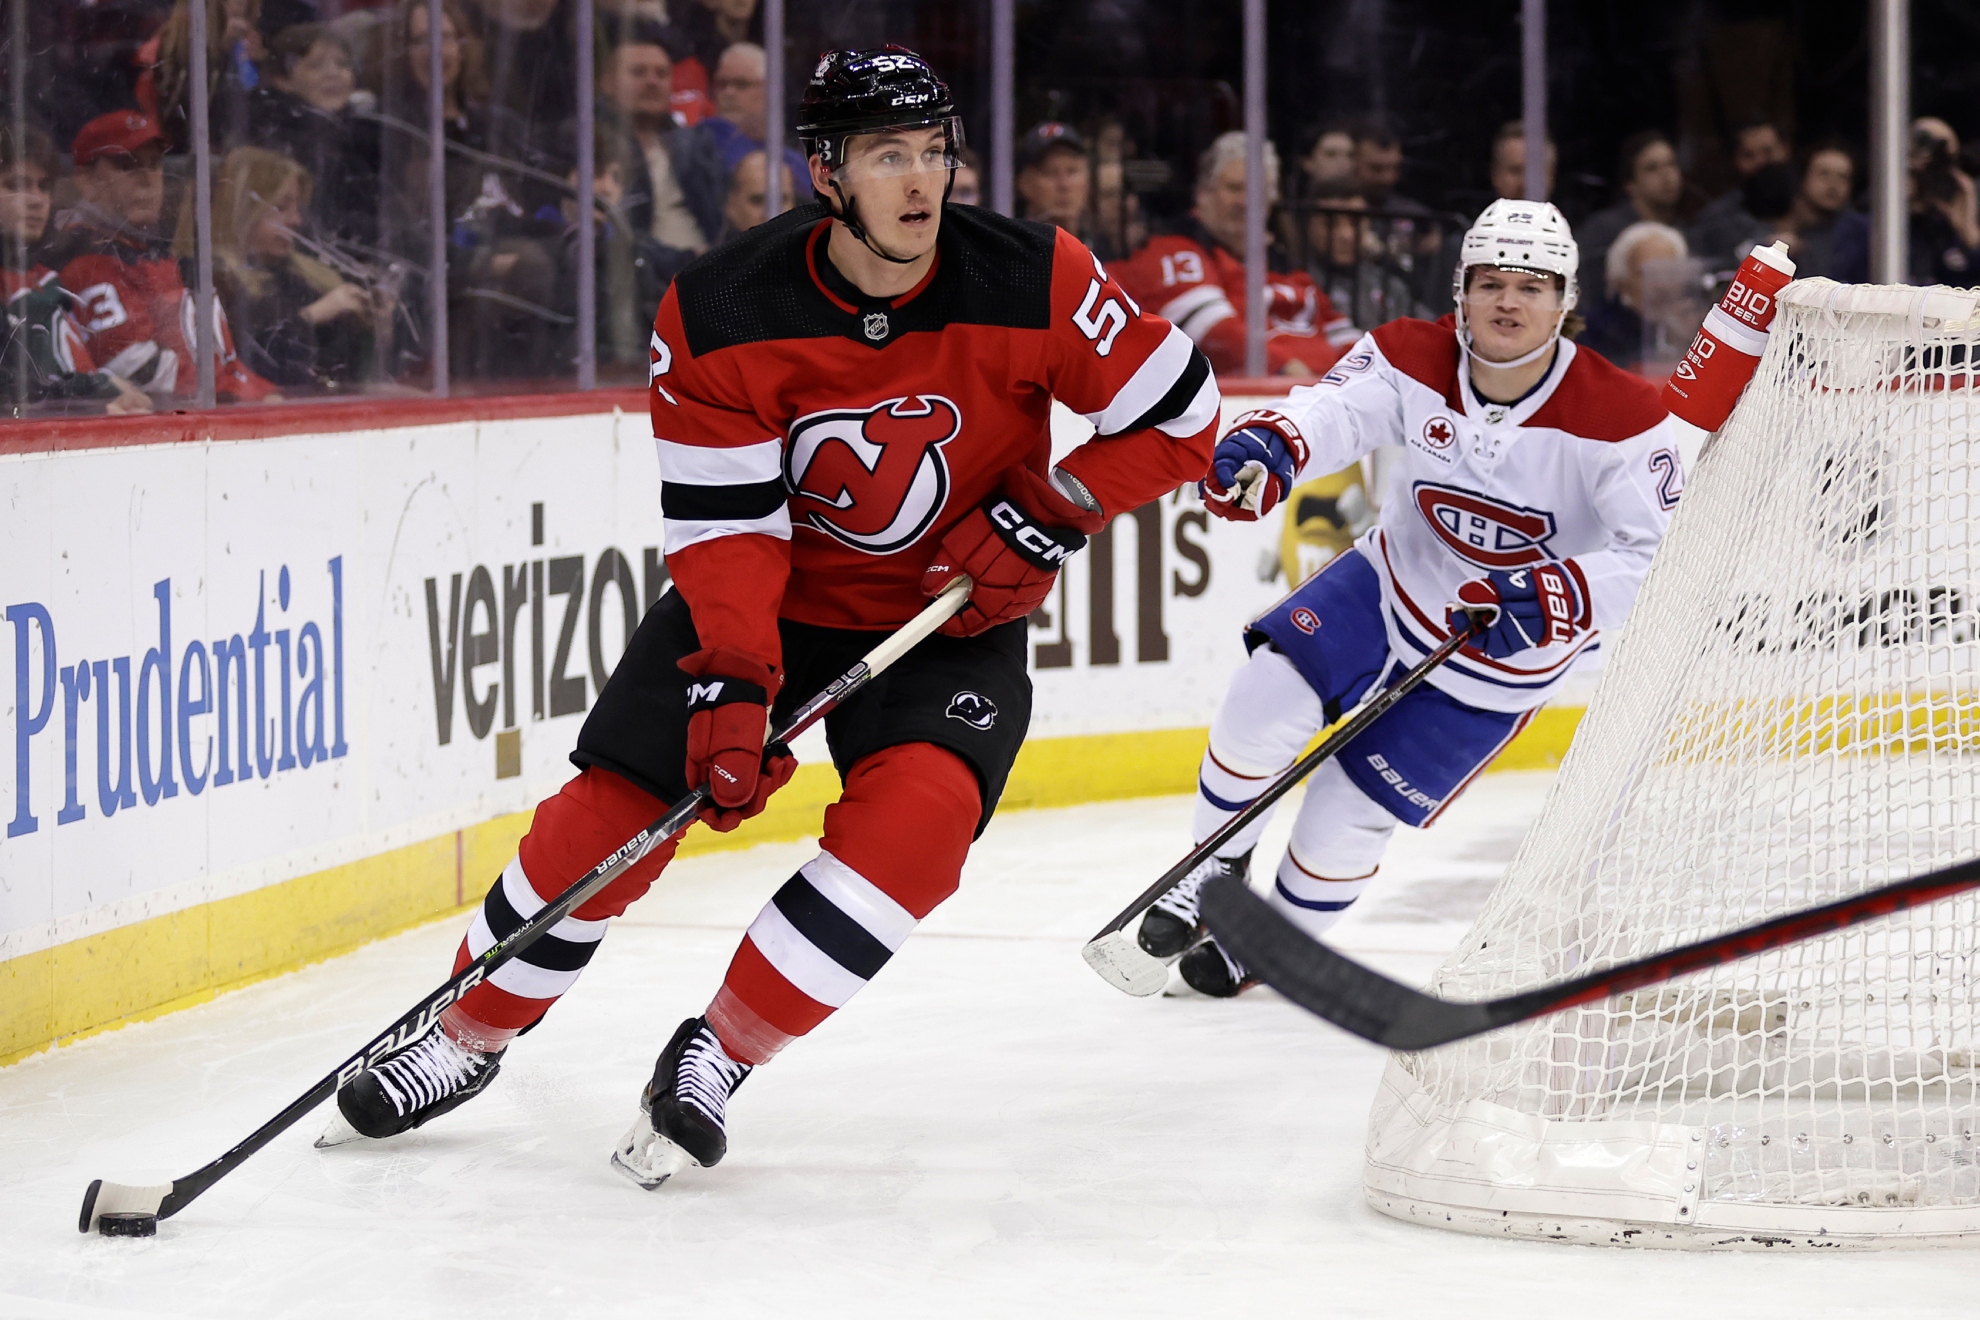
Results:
[891, 153]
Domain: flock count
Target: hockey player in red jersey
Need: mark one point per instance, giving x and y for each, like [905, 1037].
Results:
[842, 399]
[1194, 277]
[136, 314]
[1534, 483]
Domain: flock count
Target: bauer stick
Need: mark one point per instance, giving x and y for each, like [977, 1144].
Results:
[116, 1209]
[1389, 1013]
[1113, 953]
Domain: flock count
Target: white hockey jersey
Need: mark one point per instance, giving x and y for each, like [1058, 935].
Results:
[1584, 469]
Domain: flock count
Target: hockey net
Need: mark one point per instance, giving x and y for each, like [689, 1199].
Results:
[1792, 715]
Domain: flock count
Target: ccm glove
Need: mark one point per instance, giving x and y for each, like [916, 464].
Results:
[1011, 546]
[729, 694]
[1534, 606]
[1252, 469]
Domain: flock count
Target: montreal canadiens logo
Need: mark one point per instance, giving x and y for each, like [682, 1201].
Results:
[1484, 531]
[873, 478]
[1306, 621]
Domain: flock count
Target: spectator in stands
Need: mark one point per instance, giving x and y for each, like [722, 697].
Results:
[501, 258]
[702, 30]
[133, 316]
[530, 57]
[1727, 222]
[747, 204]
[1615, 325]
[1944, 245]
[42, 355]
[234, 53]
[633, 268]
[1378, 167]
[1767, 197]
[297, 321]
[1508, 169]
[303, 110]
[674, 188]
[968, 189]
[1827, 179]
[742, 108]
[1346, 261]
[1194, 277]
[1117, 222]
[1651, 186]
[1330, 157]
[1055, 182]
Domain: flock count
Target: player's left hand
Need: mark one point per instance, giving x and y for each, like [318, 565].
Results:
[1011, 546]
[1525, 607]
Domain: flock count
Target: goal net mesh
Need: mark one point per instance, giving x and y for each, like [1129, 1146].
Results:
[1792, 716]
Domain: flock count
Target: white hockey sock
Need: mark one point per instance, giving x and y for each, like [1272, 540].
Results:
[1337, 844]
[1268, 715]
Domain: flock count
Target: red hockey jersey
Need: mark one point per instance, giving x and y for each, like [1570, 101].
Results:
[137, 320]
[816, 444]
[1191, 280]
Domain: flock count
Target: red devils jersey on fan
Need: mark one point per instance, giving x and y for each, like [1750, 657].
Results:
[1190, 279]
[137, 319]
[814, 450]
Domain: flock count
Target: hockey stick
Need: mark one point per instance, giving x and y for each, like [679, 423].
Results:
[120, 1209]
[1118, 958]
[1389, 1013]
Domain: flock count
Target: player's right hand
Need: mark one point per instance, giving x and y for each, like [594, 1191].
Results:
[729, 694]
[1251, 470]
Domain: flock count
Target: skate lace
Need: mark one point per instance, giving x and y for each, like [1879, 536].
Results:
[1182, 901]
[706, 1076]
[430, 1071]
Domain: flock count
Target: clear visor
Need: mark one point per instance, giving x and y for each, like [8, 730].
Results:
[1491, 284]
[893, 153]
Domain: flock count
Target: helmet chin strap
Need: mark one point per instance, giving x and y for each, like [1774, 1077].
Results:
[849, 217]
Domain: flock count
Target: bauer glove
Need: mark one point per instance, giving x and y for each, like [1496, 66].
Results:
[1538, 605]
[728, 702]
[1011, 546]
[1252, 469]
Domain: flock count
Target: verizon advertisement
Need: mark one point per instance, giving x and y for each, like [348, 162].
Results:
[225, 665]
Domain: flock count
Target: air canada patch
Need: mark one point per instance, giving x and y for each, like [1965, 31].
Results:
[974, 709]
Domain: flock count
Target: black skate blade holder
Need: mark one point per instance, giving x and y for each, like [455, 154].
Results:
[121, 1209]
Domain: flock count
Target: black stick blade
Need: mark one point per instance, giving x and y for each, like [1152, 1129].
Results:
[1324, 983]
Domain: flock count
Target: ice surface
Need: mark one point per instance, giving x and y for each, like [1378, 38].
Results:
[988, 1129]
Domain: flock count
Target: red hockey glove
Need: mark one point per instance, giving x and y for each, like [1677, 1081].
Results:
[1253, 467]
[1534, 606]
[728, 716]
[1011, 546]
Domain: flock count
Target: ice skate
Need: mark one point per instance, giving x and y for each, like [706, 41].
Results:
[1172, 923]
[419, 1083]
[681, 1110]
[1208, 970]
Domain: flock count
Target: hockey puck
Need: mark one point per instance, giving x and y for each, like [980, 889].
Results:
[127, 1223]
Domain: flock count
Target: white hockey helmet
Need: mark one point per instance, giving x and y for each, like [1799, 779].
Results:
[1520, 235]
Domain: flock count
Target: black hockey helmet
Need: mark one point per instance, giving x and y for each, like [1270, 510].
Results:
[863, 91]
[852, 92]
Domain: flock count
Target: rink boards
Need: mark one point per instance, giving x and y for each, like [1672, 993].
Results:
[268, 698]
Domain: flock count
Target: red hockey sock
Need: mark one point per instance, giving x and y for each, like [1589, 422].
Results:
[572, 832]
[893, 849]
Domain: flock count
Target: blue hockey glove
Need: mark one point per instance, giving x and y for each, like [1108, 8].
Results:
[1534, 606]
[1251, 470]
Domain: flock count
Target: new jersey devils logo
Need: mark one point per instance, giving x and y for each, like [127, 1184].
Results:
[1484, 531]
[973, 709]
[875, 477]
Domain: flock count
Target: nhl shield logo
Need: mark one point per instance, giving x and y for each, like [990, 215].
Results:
[876, 326]
[973, 709]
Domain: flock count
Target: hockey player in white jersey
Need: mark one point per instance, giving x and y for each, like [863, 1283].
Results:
[1536, 480]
